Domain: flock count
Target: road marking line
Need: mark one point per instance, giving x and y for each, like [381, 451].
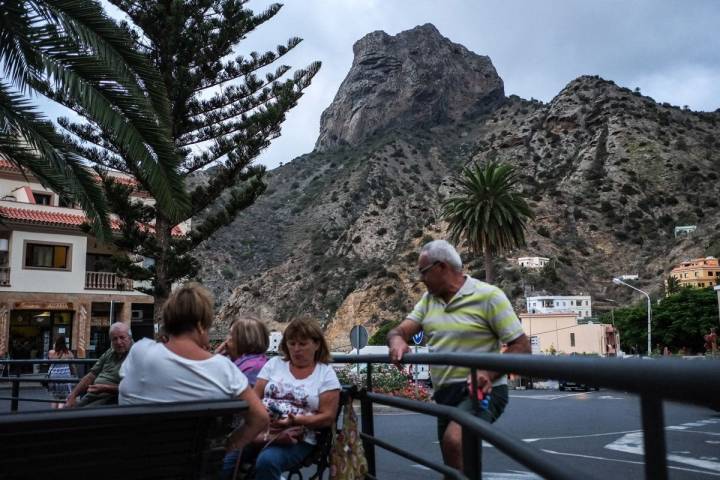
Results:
[550, 396]
[592, 457]
[633, 443]
[579, 436]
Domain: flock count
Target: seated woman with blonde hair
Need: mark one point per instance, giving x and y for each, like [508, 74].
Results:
[182, 369]
[302, 391]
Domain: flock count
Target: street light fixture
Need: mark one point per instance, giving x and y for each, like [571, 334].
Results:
[617, 281]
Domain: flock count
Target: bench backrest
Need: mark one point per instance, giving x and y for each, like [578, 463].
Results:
[178, 441]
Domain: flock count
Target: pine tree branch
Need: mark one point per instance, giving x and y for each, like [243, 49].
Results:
[240, 199]
[241, 67]
[235, 93]
[87, 133]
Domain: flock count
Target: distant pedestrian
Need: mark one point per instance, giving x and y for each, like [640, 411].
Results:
[459, 314]
[59, 391]
[711, 342]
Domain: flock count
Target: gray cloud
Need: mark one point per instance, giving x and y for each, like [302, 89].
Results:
[667, 48]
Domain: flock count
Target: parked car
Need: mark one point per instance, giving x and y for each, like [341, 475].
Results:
[568, 385]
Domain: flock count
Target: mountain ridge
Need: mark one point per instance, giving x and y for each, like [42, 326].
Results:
[608, 172]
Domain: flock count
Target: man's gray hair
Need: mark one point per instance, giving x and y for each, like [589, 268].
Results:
[442, 251]
[117, 325]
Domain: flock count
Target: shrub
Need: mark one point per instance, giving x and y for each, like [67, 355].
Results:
[387, 380]
[543, 230]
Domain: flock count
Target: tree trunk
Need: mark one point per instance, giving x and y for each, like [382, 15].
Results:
[163, 283]
[489, 274]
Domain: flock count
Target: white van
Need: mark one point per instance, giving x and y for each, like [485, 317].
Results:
[422, 371]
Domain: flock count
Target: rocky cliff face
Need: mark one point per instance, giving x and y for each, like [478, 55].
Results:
[608, 172]
[417, 78]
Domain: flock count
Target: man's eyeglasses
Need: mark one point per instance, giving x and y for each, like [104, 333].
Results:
[424, 270]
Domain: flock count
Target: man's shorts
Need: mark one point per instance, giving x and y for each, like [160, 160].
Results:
[498, 401]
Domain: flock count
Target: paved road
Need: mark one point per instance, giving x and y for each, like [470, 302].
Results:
[598, 432]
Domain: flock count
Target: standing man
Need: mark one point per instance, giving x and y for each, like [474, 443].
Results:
[459, 314]
[101, 384]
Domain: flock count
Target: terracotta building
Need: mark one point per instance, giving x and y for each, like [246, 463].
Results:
[698, 272]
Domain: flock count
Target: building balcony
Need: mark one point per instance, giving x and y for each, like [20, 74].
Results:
[106, 281]
[4, 276]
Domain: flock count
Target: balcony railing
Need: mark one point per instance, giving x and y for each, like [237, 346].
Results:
[4, 276]
[106, 281]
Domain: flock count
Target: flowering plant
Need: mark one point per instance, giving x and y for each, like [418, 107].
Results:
[386, 379]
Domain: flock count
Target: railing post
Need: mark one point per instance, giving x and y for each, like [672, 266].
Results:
[368, 424]
[654, 438]
[472, 454]
[15, 394]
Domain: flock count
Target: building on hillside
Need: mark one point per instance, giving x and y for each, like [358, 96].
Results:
[580, 305]
[533, 262]
[698, 272]
[57, 280]
[685, 230]
[562, 333]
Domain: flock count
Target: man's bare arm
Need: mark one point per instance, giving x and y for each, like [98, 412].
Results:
[485, 377]
[519, 345]
[398, 337]
[80, 388]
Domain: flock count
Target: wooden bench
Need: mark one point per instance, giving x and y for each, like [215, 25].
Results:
[173, 441]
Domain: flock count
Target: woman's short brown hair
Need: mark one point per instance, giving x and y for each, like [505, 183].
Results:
[305, 329]
[250, 335]
[187, 308]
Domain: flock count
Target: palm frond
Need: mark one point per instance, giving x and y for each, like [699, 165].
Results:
[32, 142]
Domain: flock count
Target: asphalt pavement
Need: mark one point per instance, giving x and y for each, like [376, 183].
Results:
[596, 432]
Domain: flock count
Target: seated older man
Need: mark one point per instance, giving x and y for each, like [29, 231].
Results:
[100, 386]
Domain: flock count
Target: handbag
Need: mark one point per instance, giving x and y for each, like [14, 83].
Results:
[347, 456]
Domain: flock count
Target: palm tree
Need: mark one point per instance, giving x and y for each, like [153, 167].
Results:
[487, 212]
[71, 52]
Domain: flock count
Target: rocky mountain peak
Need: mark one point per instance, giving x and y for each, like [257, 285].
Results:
[417, 78]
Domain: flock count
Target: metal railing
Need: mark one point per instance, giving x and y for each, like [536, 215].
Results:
[654, 382]
[16, 378]
[107, 281]
[4, 276]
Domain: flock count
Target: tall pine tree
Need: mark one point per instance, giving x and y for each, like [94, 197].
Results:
[224, 111]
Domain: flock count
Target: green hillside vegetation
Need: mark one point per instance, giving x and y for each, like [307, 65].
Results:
[679, 321]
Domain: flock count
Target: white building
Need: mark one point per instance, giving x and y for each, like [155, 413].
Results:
[580, 305]
[533, 262]
[54, 278]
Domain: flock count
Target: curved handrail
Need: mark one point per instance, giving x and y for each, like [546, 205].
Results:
[672, 379]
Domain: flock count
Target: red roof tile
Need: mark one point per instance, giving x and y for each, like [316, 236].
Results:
[45, 217]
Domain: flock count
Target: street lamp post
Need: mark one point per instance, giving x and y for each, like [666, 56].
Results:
[617, 281]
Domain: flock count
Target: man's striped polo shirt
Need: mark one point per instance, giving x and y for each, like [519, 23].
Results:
[478, 319]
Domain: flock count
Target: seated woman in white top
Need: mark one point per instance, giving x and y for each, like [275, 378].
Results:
[303, 391]
[183, 370]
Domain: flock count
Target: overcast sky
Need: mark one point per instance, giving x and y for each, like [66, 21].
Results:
[670, 49]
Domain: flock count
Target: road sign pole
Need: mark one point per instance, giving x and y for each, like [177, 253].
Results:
[415, 375]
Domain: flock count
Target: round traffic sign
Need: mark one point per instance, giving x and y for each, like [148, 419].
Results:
[358, 337]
